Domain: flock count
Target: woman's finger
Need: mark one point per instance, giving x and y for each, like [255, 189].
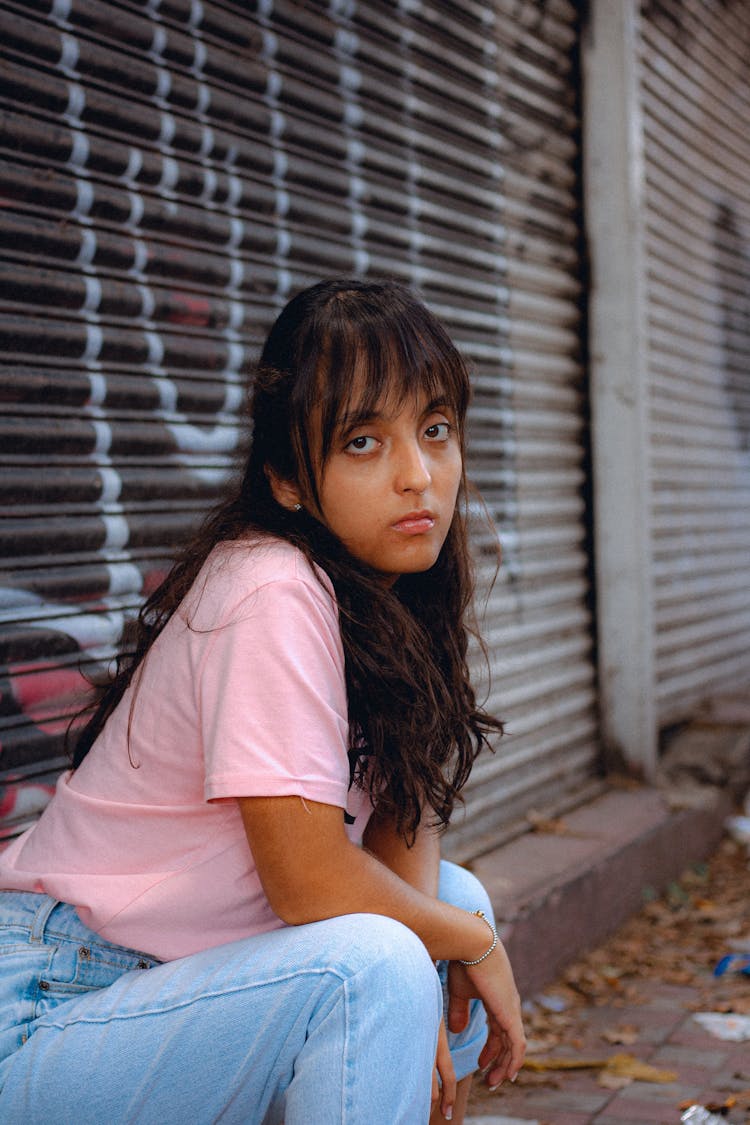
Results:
[458, 1012]
[502, 1056]
[435, 1089]
[444, 1066]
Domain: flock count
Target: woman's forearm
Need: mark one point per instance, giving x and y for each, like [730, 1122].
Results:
[417, 864]
[310, 871]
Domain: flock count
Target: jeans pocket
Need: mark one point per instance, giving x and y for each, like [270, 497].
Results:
[22, 968]
[75, 969]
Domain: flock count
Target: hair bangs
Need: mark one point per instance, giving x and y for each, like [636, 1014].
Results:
[381, 359]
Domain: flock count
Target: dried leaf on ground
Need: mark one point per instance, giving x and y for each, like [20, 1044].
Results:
[609, 1081]
[564, 1064]
[631, 1067]
[623, 1066]
[626, 1035]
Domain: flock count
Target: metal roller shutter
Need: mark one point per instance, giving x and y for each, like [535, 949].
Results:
[695, 64]
[172, 171]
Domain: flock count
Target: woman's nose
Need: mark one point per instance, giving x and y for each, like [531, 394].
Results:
[413, 474]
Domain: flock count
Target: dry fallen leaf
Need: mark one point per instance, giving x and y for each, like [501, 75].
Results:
[564, 1064]
[630, 1066]
[623, 1066]
[610, 1081]
[626, 1035]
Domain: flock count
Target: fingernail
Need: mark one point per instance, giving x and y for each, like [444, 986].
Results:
[513, 1077]
[493, 1088]
[448, 1115]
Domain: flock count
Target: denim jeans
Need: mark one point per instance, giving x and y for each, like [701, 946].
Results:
[311, 1025]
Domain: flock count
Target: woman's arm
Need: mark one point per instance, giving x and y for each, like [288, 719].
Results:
[419, 865]
[310, 870]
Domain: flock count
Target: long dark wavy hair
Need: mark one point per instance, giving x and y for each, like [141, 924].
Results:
[415, 725]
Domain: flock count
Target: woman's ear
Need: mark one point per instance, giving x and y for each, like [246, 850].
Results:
[285, 492]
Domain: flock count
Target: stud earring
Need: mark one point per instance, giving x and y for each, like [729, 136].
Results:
[297, 508]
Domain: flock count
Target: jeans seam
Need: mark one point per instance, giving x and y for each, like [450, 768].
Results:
[163, 1009]
[345, 1084]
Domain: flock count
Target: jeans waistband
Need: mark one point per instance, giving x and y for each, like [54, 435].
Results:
[45, 917]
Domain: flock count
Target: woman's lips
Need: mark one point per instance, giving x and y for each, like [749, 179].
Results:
[415, 523]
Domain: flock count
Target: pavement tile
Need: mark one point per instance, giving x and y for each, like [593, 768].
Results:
[662, 1019]
[566, 1119]
[541, 1101]
[691, 1034]
[739, 1060]
[671, 1093]
[670, 998]
[717, 1093]
[680, 1055]
[649, 1036]
[607, 1119]
[631, 1112]
[642, 1017]
[494, 1119]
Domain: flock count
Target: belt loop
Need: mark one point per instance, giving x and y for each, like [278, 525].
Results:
[36, 933]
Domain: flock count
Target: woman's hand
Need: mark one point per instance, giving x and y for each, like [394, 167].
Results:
[492, 981]
[444, 1092]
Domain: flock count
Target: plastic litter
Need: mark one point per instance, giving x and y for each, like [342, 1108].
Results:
[699, 1115]
[734, 962]
[725, 1025]
[552, 1003]
[738, 828]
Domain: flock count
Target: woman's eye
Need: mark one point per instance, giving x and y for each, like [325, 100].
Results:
[362, 444]
[438, 431]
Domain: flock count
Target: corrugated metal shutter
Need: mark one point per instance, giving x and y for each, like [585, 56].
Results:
[173, 171]
[527, 440]
[695, 71]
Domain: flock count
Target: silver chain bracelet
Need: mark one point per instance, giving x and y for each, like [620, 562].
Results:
[481, 914]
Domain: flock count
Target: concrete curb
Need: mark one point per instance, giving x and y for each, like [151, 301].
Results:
[559, 892]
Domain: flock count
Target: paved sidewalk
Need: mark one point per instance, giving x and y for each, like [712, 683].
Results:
[637, 995]
[707, 1070]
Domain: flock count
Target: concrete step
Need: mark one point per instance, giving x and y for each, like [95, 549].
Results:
[563, 888]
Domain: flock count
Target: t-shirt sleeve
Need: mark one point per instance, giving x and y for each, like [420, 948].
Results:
[272, 698]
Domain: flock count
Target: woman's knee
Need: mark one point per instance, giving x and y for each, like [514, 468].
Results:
[389, 955]
[366, 939]
[461, 888]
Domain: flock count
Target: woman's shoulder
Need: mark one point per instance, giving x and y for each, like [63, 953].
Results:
[236, 571]
[265, 559]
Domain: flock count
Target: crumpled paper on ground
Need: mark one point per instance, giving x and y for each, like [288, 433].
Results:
[725, 1025]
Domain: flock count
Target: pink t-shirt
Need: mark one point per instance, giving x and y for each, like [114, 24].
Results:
[248, 699]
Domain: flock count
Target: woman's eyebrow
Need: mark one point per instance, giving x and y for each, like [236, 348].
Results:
[354, 418]
[438, 403]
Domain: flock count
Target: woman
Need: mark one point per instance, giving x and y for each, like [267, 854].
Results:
[232, 906]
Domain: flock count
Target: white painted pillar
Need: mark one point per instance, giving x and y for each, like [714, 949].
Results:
[614, 222]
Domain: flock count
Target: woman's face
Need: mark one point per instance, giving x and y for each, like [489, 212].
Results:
[389, 485]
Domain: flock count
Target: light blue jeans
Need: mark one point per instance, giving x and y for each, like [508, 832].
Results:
[311, 1025]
